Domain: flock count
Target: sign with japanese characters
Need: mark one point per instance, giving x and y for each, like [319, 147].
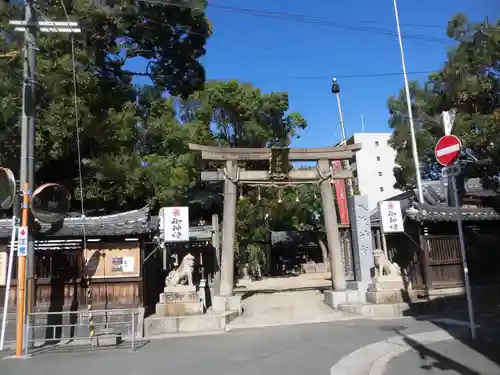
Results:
[122, 264]
[362, 242]
[176, 224]
[391, 217]
[279, 163]
[22, 242]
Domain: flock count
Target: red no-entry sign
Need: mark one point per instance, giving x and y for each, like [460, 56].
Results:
[448, 150]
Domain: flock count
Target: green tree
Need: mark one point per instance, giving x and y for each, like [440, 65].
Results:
[468, 82]
[241, 116]
[121, 139]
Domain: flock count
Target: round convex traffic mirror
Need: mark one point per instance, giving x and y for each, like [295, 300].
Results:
[50, 203]
[7, 188]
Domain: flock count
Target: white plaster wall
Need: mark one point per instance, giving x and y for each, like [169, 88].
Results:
[373, 174]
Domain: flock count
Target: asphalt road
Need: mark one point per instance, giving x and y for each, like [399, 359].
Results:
[292, 350]
[445, 358]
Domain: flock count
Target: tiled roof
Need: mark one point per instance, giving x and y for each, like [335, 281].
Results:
[435, 207]
[474, 188]
[426, 212]
[123, 224]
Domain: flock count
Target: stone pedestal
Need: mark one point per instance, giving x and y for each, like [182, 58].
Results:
[385, 289]
[335, 298]
[245, 279]
[222, 304]
[179, 300]
[313, 267]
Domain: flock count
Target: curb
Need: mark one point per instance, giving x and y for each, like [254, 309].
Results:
[285, 324]
[372, 359]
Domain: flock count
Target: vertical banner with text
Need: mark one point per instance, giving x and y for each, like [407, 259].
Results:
[340, 192]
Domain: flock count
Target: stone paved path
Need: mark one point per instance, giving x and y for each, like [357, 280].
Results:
[302, 281]
[286, 308]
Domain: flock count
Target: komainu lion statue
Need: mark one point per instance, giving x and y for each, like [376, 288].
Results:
[183, 273]
[383, 266]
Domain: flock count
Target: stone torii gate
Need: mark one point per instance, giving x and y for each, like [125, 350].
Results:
[279, 173]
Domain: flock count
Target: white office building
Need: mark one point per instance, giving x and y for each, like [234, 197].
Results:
[373, 167]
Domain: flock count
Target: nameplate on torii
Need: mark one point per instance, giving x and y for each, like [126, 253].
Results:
[279, 164]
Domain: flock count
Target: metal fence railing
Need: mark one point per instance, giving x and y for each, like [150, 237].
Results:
[10, 329]
[115, 327]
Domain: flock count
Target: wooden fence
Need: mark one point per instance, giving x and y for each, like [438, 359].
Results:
[443, 261]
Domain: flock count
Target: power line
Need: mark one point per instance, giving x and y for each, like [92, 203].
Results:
[77, 122]
[289, 17]
[306, 16]
[303, 78]
[310, 78]
[323, 22]
[343, 76]
[307, 19]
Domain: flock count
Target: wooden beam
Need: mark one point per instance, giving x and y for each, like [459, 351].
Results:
[296, 154]
[299, 176]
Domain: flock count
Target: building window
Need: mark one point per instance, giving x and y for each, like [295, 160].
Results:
[381, 188]
[378, 158]
[380, 173]
[376, 143]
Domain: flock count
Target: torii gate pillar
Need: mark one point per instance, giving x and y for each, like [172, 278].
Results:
[332, 231]
[228, 232]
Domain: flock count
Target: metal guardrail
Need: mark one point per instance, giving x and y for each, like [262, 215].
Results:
[48, 329]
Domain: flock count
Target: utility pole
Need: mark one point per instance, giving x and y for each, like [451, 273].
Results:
[345, 163]
[29, 26]
[414, 149]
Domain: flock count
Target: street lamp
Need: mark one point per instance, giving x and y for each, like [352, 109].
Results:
[336, 91]
[335, 86]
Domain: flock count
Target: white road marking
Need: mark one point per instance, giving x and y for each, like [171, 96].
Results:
[372, 359]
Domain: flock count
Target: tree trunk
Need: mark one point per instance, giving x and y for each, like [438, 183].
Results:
[324, 251]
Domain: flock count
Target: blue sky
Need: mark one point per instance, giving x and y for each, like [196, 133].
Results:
[301, 58]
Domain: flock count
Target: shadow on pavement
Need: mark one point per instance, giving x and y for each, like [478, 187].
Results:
[85, 348]
[440, 362]
[450, 313]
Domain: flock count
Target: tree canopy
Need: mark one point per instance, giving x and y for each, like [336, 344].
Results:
[468, 83]
[126, 132]
[133, 139]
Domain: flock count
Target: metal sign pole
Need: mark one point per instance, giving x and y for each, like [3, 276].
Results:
[382, 232]
[464, 259]
[9, 277]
